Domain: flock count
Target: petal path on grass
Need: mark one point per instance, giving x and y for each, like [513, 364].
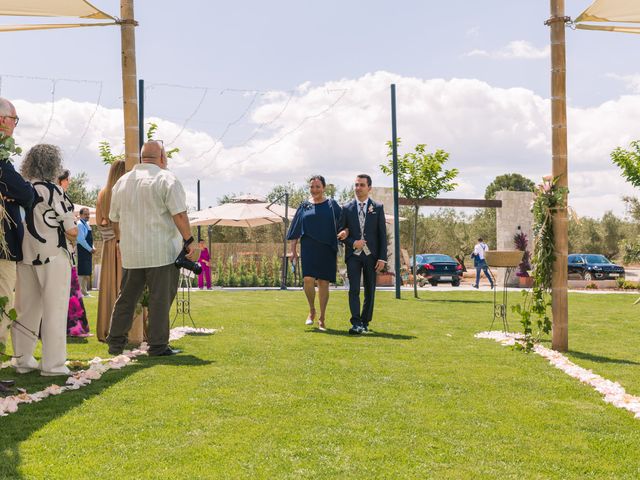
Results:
[97, 367]
[613, 392]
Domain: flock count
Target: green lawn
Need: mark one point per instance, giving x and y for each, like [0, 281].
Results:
[270, 398]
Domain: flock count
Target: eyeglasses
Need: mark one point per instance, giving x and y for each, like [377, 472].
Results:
[16, 119]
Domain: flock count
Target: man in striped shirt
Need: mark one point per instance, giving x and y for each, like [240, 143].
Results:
[148, 205]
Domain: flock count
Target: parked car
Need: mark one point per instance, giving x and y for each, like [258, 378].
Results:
[437, 268]
[593, 267]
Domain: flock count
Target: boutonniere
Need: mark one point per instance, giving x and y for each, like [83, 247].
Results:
[370, 210]
[307, 205]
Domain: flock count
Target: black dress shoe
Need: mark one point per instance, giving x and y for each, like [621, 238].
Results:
[7, 383]
[356, 330]
[115, 351]
[5, 391]
[166, 352]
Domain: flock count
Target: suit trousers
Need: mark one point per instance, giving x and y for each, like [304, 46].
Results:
[163, 286]
[364, 265]
[7, 285]
[42, 304]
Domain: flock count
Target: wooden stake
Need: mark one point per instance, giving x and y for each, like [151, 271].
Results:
[129, 84]
[559, 299]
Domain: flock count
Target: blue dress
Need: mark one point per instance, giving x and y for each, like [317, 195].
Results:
[315, 224]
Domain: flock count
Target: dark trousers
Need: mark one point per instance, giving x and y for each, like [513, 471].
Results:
[365, 265]
[163, 286]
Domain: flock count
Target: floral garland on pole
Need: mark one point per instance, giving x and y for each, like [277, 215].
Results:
[549, 198]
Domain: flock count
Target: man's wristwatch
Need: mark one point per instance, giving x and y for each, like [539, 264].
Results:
[187, 242]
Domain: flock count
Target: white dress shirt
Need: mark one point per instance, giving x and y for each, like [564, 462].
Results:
[144, 202]
[479, 250]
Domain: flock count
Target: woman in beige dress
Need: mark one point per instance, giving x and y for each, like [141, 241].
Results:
[111, 266]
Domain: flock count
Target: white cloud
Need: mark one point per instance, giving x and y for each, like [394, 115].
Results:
[632, 82]
[517, 49]
[340, 128]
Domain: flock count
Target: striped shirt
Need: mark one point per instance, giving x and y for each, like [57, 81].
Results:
[143, 203]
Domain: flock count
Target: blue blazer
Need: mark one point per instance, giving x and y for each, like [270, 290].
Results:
[21, 194]
[375, 228]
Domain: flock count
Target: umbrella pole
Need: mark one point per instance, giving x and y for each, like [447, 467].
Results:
[283, 280]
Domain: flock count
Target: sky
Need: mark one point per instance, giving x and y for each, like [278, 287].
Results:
[263, 93]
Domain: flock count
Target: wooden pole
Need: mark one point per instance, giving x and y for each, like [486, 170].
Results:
[559, 299]
[129, 84]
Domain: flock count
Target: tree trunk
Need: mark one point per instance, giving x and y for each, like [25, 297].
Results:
[415, 234]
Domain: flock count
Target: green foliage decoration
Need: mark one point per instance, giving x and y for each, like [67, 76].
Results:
[9, 314]
[549, 198]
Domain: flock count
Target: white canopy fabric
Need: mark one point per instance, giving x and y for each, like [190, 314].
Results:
[52, 8]
[240, 214]
[611, 11]
[50, 26]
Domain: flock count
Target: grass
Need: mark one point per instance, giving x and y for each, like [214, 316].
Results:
[270, 398]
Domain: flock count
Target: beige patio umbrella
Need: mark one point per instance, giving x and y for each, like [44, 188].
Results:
[239, 214]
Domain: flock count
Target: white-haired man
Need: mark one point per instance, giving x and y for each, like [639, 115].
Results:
[15, 192]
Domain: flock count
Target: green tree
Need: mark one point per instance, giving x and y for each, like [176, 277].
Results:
[629, 162]
[81, 192]
[297, 194]
[511, 182]
[420, 176]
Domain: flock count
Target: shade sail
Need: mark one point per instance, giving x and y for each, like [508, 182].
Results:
[609, 28]
[626, 11]
[52, 8]
[51, 26]
[611, 11]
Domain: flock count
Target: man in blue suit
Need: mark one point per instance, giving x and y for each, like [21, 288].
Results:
[365, 252]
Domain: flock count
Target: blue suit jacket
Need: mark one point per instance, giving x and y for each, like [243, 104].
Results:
[20, 194]
[375, 228]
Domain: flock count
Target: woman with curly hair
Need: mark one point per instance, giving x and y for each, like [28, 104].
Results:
[44, 274]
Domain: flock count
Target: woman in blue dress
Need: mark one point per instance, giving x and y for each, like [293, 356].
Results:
[315, 225]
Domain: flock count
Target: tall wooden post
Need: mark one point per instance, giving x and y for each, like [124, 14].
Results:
[129, 84]
[559, 299]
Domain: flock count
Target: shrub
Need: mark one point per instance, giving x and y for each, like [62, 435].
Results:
[630, 250]
[591, 286]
